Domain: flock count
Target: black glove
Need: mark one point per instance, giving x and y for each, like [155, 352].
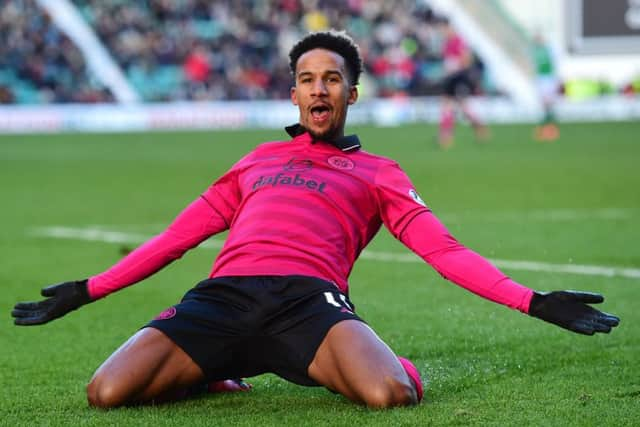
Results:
[570, 310]
[63, 298]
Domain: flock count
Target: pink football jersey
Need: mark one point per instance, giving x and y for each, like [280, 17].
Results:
[305, 207]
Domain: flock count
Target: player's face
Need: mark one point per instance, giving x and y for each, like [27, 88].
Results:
[323, 93]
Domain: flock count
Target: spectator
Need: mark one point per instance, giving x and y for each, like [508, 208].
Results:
[547, 87]
[6, 96]
[197, 67]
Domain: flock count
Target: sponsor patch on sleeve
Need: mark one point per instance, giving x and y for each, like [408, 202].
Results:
[414, 195]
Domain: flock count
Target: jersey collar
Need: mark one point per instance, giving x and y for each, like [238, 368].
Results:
[345, 143]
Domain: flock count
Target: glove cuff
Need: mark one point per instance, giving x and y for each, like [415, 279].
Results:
[81, 294]
[536, 304]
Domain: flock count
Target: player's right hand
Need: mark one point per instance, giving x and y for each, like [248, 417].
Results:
[62, 298]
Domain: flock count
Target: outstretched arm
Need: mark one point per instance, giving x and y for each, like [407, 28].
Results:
[194, 225]
[430, 239]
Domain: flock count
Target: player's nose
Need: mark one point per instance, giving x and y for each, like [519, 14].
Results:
[319, 87]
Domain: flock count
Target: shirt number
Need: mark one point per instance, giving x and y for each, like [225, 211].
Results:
[343, 303]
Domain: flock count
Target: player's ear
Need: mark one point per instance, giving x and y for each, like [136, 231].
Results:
[294, 97]
[353, 95]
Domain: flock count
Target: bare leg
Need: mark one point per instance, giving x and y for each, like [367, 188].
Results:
[481, 130]
[353, 361]
[148, 367]
[447, 122]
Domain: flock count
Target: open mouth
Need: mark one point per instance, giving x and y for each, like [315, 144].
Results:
[320, 113]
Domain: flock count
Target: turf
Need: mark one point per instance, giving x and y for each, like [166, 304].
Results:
[575, 201]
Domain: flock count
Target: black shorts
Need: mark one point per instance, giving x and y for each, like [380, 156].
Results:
[459, 84]
[237, 327]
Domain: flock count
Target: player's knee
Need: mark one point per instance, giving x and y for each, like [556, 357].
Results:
[392, 393]
[102, 393]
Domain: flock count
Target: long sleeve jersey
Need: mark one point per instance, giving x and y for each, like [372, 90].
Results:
[306, 207]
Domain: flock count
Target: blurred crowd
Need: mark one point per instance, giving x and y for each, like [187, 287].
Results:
[173, 50]
[206, 50]
[198, 49]
[38, 62]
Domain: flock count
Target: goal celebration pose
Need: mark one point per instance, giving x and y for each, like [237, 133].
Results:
[299, 212]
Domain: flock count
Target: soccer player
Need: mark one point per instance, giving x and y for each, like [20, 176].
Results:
[299, 212]
[547, 86]
[458, 85]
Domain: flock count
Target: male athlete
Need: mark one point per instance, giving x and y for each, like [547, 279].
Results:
[299, 212]
[458, 85]
[548, 86]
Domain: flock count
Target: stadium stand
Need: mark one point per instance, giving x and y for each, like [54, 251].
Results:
[38, 62]
[223, 50]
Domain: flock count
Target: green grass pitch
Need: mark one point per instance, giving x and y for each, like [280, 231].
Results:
[572, 203]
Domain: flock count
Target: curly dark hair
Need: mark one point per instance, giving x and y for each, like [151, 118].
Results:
[335, 41]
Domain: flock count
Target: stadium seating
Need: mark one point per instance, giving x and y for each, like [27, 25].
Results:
[201, 50]
[38, 63]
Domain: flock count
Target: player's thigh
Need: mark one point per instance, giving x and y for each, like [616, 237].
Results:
[355, 362]
[145, 366]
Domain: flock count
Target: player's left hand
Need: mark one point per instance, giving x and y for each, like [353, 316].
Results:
[571, 310]
[62, 298]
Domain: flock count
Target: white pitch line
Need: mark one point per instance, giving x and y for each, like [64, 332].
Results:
[587, 270]
[99, 235]
[545, 215]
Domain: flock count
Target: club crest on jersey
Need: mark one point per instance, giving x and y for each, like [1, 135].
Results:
[414, 195]
[166, 314]
[340, 162]
[298, 165]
